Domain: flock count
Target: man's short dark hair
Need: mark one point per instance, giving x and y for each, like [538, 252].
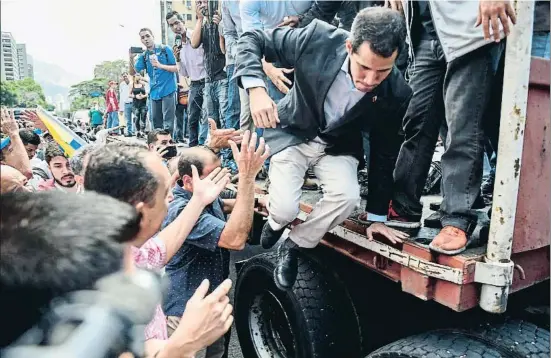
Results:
[29, 137]
[193, 156]
[119, 170]
[77, 160]
[152, 136]
[146, 29]
[174, 13]
[52, 243]
[383, 28]
[53, 150]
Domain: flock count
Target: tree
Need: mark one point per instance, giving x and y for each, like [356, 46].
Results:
[85, 93]
[111, 70]
[27, 92]
[8, 97]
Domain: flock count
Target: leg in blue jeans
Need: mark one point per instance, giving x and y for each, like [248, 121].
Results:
[234, 103]
[169, 112]
[195, 114]
[179, 126]
[540, 44]
[203, 125]
[213, 109]
[128, 116]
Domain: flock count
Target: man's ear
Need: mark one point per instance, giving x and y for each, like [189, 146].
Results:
[142, 213]
[348, 46]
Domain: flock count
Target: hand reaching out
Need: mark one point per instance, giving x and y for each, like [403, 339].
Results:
[31, 116]
[491, 13]
[219, 138]
[250, 161]
[209, 188]
[9, 125]
[394, 236]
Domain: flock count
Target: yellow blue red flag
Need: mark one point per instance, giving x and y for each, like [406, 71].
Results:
[63, 135]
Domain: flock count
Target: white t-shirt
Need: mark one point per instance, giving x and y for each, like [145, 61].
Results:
[124, 92]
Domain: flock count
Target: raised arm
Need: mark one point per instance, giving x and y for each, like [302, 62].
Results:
[322, 10]
[16, 155]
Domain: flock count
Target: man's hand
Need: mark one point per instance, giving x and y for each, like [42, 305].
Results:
[199, 10]
[9, 125]
[277, 76]
[32, 117]
[217, 18]
[394, 236]
[176, 50]
[490, 12]
[250, 161]
[219, 138]
[155, 63]
[291, 21]
[161, 150]
[395, 5]
[209, 188]
[263, 108]
[205, 319]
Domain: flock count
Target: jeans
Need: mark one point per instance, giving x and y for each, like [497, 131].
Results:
[234, 103]
[164, 112]
[149, 115]
[540, 44]
[217, 101]
[195, 111]
[112, 119]
[128, 118]
[180, 130]
[140, 112]
[445, 93]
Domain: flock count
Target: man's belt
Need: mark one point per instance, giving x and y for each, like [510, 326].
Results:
[198, 82]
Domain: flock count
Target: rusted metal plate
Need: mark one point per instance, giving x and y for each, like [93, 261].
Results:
[415, 283]
[531, 267]
[533, 215]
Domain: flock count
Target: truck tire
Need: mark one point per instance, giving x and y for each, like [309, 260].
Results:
[514, 339]
[316, 319]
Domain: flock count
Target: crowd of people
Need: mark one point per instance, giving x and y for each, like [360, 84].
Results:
[293, 89]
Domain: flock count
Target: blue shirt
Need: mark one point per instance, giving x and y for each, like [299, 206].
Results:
[163, 83]
[199, 257]
[266, 15]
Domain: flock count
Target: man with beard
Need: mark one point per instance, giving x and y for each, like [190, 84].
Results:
[63, 176]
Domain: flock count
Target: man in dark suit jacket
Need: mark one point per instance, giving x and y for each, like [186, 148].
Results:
[345, 83]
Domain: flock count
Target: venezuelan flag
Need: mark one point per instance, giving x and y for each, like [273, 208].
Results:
[63, 135]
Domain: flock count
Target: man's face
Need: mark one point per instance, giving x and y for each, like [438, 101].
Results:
[211, 163]
[177, 26]
[162, 141]
[147, 39]
[125, 78]
[31, 150]
[367, 68]
[62, 173]
[154, 213]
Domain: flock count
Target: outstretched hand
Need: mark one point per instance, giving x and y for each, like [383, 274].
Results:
[250, 161]
[219, 138]
[394, 236]
[209, 188]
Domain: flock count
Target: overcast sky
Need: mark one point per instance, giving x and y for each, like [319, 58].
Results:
[78, 34]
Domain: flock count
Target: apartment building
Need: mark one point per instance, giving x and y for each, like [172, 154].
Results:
[23, 64]
[10, 57]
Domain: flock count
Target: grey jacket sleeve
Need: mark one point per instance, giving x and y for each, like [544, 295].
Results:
[283, 45]
[322, 10]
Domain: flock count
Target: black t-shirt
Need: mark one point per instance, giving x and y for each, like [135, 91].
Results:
[215, 60]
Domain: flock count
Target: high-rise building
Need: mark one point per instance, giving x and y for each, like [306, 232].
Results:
[2, 69]
[23, 64]
[10, 62]
[186, 8]
[30, 66]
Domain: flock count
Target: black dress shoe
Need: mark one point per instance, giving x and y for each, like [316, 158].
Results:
[269, 236]
[286, 269]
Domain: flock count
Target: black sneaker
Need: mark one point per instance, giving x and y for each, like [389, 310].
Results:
[285, 273]
[269, 236]
[433, 220]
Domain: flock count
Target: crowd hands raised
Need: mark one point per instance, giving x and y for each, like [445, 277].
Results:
[177, 204]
